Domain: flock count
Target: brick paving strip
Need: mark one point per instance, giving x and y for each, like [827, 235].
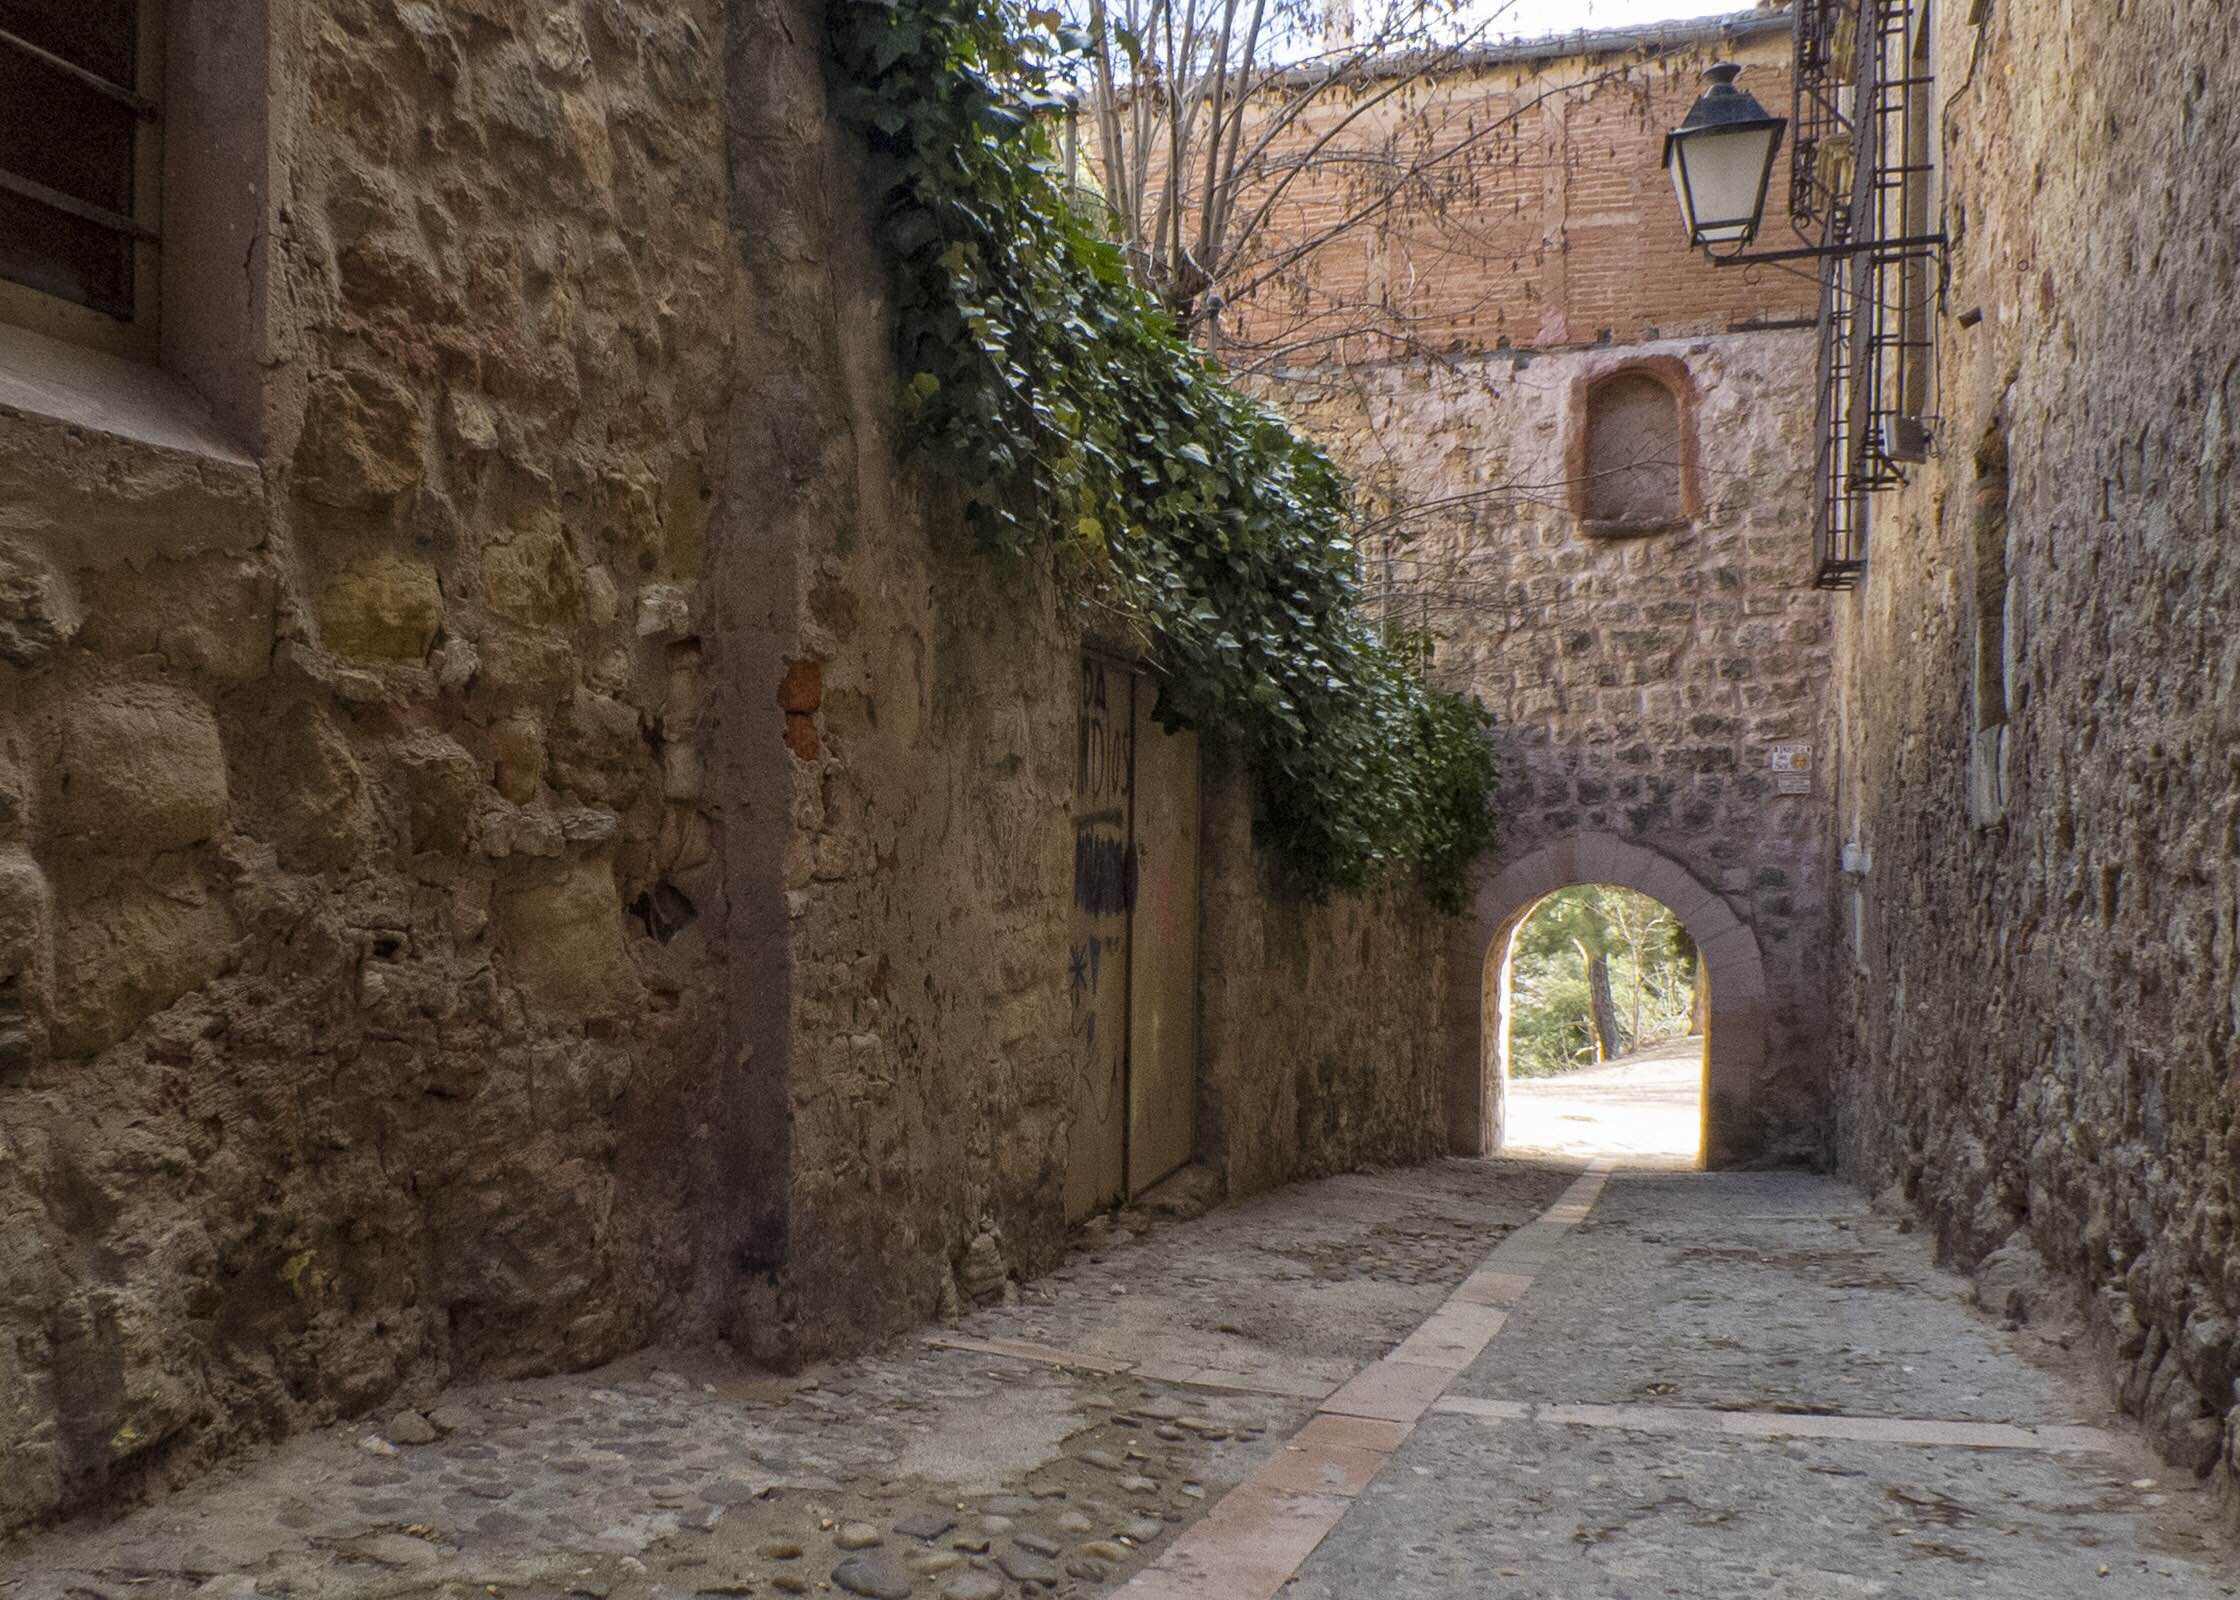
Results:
[1251, 1543]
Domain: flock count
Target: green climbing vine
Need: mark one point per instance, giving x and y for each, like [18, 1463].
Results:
[1077, 419]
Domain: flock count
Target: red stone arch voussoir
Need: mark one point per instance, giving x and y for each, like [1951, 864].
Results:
[1736, 1055]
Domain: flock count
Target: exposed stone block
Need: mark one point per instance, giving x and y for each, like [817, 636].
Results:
[212, 614]
[316, 791]
[664, 611]
[141, 771]
[441, 784]
[518, 754]
[134, 951]
[26, 960]
[531, 576]
[473, 424]
[383, 608]
[565, 942]
[38, 612]
[364, 440]
[597, 749]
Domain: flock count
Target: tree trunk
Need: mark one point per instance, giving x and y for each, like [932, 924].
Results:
[1603, 1013]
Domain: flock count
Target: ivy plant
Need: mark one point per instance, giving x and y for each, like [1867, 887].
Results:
[1080, 424]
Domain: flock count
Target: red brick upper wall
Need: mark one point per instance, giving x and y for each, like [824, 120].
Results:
[1560, 229]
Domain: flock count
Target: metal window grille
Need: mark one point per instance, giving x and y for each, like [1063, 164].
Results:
[77, 123]
[1860, 171]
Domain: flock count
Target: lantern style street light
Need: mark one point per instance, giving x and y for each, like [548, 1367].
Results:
[1721, 160]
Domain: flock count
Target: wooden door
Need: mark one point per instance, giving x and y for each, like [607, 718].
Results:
[1162, 951]
[1104, 884]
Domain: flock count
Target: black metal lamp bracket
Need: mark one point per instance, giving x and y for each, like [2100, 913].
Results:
[1907, 245]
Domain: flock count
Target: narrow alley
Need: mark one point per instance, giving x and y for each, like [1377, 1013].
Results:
[830, 797]
[1530, 1376]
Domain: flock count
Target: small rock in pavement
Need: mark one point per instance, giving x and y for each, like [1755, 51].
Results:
[1029, 1568]
[872, 1578]
[410, 1427]
[858, 1536]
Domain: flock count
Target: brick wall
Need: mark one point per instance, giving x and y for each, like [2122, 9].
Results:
[1556, 227]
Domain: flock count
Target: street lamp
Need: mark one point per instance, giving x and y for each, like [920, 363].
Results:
[1721, 160]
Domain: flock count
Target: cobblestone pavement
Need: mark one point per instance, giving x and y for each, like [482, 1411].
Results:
[1044, 1447]
[1460, 1380]
[1753, 1384]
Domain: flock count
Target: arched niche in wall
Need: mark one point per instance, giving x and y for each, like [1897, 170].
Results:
[1631, 459]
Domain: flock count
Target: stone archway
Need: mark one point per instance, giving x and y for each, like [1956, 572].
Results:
[1736, 1051]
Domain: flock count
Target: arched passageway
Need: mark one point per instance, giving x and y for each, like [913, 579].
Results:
[1597, 1002]
[1736, 1046]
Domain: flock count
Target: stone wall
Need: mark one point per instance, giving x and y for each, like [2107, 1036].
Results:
[1640, 684]
[2043, 940]
[1642, 669]
[1322, 1046]
[545, 838]
[347, 760]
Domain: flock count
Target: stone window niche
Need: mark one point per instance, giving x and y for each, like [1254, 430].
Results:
[134, 177]
[1631, 461]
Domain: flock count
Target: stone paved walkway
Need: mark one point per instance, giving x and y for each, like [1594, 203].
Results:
[1517, 1378]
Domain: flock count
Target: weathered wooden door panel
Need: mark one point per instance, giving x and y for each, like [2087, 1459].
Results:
[1104, 885]
[1162, 951]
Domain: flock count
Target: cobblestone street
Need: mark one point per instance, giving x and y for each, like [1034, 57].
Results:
[1517, 1377]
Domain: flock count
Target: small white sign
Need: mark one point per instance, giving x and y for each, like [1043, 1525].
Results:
[1792, 768]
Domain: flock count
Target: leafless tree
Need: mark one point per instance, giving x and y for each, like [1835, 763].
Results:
[1235, 142]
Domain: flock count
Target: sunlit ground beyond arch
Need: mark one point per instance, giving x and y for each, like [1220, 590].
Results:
[1645, 1108]
[1589, 967]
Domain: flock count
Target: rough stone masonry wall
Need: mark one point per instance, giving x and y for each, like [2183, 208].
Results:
[908, 1122]
[911, 1092]
[1320, 1047]
[1638, 684]
[348, 785]
[2040, 1021]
